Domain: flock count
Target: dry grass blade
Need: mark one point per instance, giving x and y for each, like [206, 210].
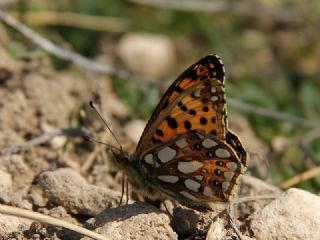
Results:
[272, 114]
[74, 132]
[239, 8]
[311, 173]
[50, 220]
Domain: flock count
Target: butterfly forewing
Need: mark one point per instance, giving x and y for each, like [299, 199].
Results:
[193, 168]
[194, 101]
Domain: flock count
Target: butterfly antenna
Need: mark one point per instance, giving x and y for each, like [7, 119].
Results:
[89, 139]
[92, 105]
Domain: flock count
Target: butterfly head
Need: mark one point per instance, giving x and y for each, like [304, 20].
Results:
[120, 158]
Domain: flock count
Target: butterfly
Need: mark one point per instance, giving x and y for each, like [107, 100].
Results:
[186, 152]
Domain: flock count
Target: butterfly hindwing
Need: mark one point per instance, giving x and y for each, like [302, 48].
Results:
[194, 167]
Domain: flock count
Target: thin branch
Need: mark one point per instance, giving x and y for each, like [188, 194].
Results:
[272, 114]
[106, 69]
[311, 173]
[35, 216]
[241, 8]
[65, 54]
[72, 132]
[69, 19]
[234, 226]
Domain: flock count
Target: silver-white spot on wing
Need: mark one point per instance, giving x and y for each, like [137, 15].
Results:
[181, 143]
[197, 93]
[188, 195]
[200, 135]
[208, 192]
[149, 159]
[192, 185]
[225, 186]
[168, 178]
[209, 143]
[232, 166]
[213, 89]
[189, 167]
[198, 177]
[228, 176]
[166, 154]
[214, 98]
[222, 153]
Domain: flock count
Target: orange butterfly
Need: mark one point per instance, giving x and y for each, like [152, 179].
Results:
[187, 152]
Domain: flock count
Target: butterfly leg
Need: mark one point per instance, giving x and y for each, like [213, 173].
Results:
[122, 190]
[166, 207]
[127, 196]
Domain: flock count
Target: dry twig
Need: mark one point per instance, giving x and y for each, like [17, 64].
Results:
[272, 114]
[18, 212]
[311, 173]
[253, 9]
[105, 69]
[69, 19]
[72, 132]
[65, 54]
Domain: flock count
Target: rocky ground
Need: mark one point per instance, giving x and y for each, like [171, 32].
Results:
[74, 180]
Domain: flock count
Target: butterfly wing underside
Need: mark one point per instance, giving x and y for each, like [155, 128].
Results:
[186, 150]
[194, 168]
[195, 100]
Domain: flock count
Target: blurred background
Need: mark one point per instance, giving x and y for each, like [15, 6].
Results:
[270, 49]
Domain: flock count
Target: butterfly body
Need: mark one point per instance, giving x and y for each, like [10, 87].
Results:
[187, 152]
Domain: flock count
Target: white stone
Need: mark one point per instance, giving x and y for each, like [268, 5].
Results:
[150, 55]
[295, 214]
